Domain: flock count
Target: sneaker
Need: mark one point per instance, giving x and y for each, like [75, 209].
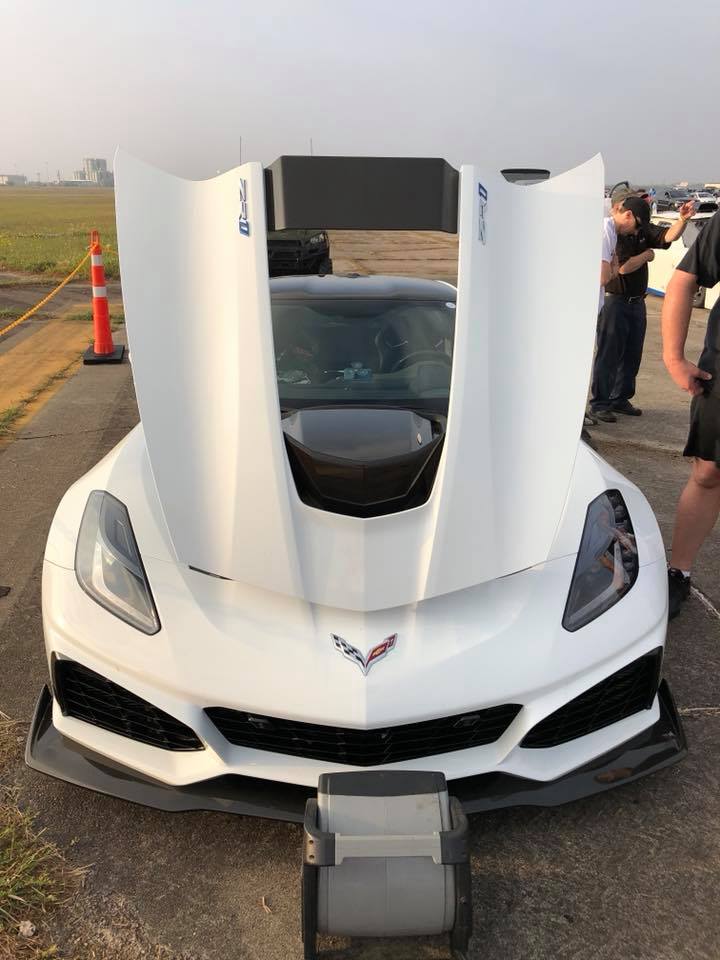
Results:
[627, 408]
[606, 415]
[678, 591]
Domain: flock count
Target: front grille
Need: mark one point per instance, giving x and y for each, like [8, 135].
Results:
[87, 696]
[364, 748]
[618, 696]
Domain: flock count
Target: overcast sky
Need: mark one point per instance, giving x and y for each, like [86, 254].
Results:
[540, 83]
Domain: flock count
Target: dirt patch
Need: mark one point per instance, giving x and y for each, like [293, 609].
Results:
[431, 255]
[106, 928]
[31, 362]
[30, 370]
[15, 417]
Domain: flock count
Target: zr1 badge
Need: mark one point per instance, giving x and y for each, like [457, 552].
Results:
[482, 205]
[243, 222]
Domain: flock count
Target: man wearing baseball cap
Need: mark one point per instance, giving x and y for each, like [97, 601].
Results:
[623, 320]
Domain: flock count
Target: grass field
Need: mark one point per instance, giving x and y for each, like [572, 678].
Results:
[46, 230]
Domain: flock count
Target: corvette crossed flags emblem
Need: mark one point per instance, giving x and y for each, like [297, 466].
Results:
[372, 656]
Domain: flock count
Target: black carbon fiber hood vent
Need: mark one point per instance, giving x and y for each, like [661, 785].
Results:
[363, 461]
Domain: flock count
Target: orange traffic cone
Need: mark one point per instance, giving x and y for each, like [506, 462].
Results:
[103, 350]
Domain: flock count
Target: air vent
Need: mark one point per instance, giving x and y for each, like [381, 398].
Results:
[85, 695]
[363, 462]
[620, 695]
[364, 748]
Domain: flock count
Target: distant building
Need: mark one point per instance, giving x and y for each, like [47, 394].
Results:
[12, 180]
[711, 186]
[78, 175]
[95, 169]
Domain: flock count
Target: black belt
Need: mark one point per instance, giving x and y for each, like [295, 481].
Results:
[621, 296]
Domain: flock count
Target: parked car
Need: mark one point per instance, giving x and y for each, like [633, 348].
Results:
[342, 536]
[705, 202]
[672, 199]
[293, 252]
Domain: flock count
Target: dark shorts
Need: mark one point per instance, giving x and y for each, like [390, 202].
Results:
[704, 437]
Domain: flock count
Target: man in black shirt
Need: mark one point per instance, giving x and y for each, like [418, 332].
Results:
[699, 504]
[623, 320]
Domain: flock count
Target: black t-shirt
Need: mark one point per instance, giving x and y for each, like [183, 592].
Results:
[703, 261]
[635, 284]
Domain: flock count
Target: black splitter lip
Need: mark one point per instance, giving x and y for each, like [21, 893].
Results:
[49, 752]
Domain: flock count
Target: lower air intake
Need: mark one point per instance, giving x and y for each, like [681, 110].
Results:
[85, 695]
[618, 696]
[364, 748]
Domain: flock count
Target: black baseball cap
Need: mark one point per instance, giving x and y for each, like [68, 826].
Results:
[640, 208]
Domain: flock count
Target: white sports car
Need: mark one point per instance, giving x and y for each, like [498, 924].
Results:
[356, 527]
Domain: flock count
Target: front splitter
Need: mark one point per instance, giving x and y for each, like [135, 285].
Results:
[49, 752]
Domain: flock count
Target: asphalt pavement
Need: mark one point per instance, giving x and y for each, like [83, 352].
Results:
[632, 874]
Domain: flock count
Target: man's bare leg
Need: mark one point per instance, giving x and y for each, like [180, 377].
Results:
[697, 513]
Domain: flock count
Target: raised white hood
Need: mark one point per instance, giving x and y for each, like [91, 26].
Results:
[197, 310]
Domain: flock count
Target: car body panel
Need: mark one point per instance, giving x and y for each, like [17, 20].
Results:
[224, 644]
[198, 320]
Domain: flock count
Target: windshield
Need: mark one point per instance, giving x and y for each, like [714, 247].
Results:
[369, 352]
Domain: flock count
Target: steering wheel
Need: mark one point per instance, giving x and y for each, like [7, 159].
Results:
[421, 354]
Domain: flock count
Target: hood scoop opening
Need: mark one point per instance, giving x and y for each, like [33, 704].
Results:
[363, 461]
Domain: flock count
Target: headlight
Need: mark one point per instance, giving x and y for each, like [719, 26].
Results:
[108, 564]
[607, 563]
[317, 238]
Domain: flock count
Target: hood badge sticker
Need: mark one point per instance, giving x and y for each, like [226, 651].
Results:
[372, 656]
[243, 222]
[482, 207]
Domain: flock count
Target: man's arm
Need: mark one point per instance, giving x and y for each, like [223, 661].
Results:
[609, 270]
[675, 322]
[634, 263]
[678, 228]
